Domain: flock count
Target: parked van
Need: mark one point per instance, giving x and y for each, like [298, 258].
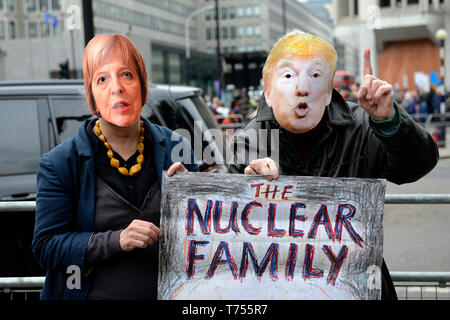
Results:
[35, 116]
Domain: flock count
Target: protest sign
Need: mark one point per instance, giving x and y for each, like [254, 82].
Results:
[242, 237]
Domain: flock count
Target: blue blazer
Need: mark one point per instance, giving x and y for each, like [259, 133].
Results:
[65, 209]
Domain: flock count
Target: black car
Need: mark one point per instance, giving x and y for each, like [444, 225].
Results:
[35, 116]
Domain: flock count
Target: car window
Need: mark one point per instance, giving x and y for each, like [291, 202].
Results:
[168, 112]
[148, 112]
[195, 112]
[20, 148]
[204, 111]
[69, 115]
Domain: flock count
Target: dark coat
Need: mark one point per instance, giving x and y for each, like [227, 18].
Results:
[65, 209]
[349, 145]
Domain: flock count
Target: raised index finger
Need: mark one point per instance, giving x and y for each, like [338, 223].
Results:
[367, 64]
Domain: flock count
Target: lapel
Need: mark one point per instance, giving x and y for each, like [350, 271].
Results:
[86, 196]
[159, 149]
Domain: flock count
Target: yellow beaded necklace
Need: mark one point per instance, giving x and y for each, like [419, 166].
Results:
[114, 162]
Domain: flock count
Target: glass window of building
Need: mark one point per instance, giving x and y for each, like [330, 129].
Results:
[32, 30]
[240, 12]
[31, 5]
[249, 11]
[224, 33]
[258, 47]
[157, 66]
[43, 5]
[1, 5]
[224, 13]
[175, 68]
[12, 30]
[257, 11]
[56, 4]
[232, 12]
[241, 32]
[233, 32]
[257, 30]
[208, 14]
[208, 34]
[249, 31]
[11, 6]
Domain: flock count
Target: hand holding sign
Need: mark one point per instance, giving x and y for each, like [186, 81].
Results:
[139, 234]
[176, 167]
[266, 167]
[375, 96]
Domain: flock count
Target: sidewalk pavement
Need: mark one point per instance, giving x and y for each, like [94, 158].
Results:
[444, 153]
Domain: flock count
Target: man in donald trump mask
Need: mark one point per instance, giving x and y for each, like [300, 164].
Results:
[321, 134]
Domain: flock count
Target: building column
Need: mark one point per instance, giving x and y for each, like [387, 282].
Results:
[404, 4]
[424, 5]
[447, 54]
[351, 8]
[436, 5]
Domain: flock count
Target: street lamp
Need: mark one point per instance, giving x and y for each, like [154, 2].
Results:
[187, 43]
[441, 35]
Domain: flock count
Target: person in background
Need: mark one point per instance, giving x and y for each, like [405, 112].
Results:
[353, 97]
[245, 107]
[208, 102]
[435, 98]
[413, 102]
[215, 106]
[320, 134]
[423, 108]
[98, 193]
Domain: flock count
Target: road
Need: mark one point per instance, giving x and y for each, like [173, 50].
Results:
[417, 237]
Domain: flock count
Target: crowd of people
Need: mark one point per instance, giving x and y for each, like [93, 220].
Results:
[418, 103]
[241, 108]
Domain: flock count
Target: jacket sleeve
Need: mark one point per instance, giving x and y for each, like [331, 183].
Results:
[410, 151]
[55, 244]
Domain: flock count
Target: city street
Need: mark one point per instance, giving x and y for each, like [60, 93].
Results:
[416, 237]
[85, 84]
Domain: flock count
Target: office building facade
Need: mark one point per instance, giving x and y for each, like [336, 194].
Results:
[35, 39]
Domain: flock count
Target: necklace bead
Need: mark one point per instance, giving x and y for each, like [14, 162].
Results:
[113, 161]
[135, 169]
